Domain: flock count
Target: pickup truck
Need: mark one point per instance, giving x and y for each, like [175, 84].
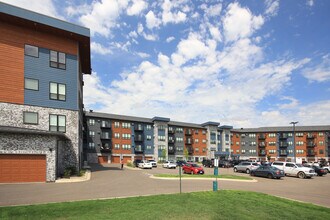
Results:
[293, 169]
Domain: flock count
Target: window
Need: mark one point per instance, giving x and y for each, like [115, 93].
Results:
[252, 135]
[226, 136]
[161, 127]
[105, 124]
[148, 147]
[57, 123]
[126, 136]
[320, 134]
[253, 143]
[91, 122]
[272, 151]
[126, 146]
[321, 151]
[300, 151]
[196, 149]
[321, 143]
[179, 130]
[161, 137]
[196, 140]
[289, 134]
[179, 139]
[243, 151]
[57, 91]
[105, 135]
[31, 50]
[299, 134]
[196, 131]
[290, 143]
[289, 165]
[91, 133]
[148, 127]
[272, 143]
[204, 141]
[237, 142]
[91, 145]
[299, 143]
[243, 143]
[126, 125]
[32, 84]
[237, 151]
[271, 135]
[117, 125]
[252, 151]
[161, 147]
[57, 60]
[180, 149]
[117, 135]
[117, 146]
[148, 137]
[30, 118]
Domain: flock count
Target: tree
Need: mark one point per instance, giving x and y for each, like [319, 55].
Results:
[163, 153]
[268, 157]
[186, 153]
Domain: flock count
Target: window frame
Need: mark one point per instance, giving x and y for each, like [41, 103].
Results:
[30, 54]
[57, 126]
[30, 123]
[57, 94]
[25, 78]
[57, 62]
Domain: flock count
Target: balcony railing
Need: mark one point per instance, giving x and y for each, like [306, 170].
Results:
[262, 153]
[284, 144]
[105, 137]
[283, 153]
[138, 138]
[188, 141]
[138, 149]
[310, 153]
[171, 150]
[105, 149]
[262, 144]
[262, 136]
[105, 124]
[171, 141]
[213, 141]
[190, 150]
[171, 130]
[138, 127]
[310, 144]
[283, 136]
[188, 132]
[310, 136]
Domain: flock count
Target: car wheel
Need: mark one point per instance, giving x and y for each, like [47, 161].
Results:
[247, 171]
[270, 176]
[235, 170]
[302, 175]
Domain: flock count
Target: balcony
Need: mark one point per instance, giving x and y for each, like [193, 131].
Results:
[262, 153]
[171, 141]
[138, 127]
[213, 142]
[262, 137]
[171, 150]
[171, 130]
[310, 144]
[283, 153]
[138, 138]
[105, 125]
[138, 149]
[105, 137]
[283, 136]
[188, 132]
[105, 148]
[310, 153]
[188, 141]
[310, 136]
[284, 144]
[190, 150]
[262, 144]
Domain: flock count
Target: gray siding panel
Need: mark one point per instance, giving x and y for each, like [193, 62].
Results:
[38, 68]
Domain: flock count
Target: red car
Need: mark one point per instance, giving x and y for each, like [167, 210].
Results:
[192, 168]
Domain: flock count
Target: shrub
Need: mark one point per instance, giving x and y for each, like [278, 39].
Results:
[129, 163]
[70, 171]
[67, 173]
[82, 172]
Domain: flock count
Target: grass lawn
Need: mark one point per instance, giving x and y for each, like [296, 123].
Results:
[221, 176]
[224, 204]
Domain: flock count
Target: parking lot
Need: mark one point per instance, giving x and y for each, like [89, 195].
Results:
[110, 182]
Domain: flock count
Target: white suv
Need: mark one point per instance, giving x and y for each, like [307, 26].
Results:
[293, 169]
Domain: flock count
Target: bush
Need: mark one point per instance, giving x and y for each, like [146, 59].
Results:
[129, 163]
[67, 173]
[81, 172]
[70, 171]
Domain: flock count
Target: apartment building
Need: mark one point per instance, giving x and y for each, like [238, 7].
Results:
[156, 138]
[41, 112]
[277, 143]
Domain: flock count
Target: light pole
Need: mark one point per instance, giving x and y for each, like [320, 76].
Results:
[294, 139]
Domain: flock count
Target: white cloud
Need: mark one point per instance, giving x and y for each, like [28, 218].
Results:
[213, 10]
[240, 22]
[100, 49]
[143, 55]
[320, 72]
[310, 3]
[272, 7]
[102, 16]
[150, 37]
[292, 103]
[152, 21]
[137, 7]
[169, 39]
[215, 33]
[168, 16]
[47, 7]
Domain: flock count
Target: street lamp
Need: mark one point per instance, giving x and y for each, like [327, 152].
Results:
[294, 139]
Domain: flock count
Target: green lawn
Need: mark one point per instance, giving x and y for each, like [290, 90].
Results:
[221, 176]
[224, 204]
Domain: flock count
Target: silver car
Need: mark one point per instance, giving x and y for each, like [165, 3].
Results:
[246, 167]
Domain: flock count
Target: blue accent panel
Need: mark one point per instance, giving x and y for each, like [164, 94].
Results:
[161, 132]
[148, 142]
[39, 68]
[43, 19]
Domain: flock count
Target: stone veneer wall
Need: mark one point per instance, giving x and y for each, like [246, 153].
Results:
[68, 155]
[32, 144]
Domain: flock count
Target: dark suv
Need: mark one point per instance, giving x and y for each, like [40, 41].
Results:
[208, 163]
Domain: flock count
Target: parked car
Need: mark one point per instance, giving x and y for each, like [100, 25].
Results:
[144, 164]
[180, 162]
[208, 163]
[169, 164]
[318, 170]
[293, 169]
[225, 163]
[245, 167]
[136, 162]
[268, 171]
[192, 168]
[327, 168]
[153, 163]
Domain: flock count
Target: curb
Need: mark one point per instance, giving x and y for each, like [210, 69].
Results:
[188, 178]
[84, 178]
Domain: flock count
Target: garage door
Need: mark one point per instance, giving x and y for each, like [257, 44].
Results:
[103, 159]
[115, 159]
[22, 168]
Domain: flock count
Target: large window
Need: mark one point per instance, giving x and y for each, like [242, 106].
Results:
[31, 51]
[30, 118]
[32, 84]
[57, 91]
[57, 59]
[57, 123]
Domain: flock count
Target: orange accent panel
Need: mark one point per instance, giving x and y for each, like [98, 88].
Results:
[103, 159]
[16, 168]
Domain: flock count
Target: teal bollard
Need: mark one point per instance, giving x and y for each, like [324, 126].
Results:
[216, 172]
[215, 186]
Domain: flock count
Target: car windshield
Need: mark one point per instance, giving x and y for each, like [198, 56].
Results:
[194, 165]
[299, 165]
[272, 168]
[255, 164]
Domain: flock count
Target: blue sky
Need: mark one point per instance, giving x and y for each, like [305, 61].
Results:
[242, 63]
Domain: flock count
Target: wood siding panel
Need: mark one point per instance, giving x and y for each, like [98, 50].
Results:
[12, 41]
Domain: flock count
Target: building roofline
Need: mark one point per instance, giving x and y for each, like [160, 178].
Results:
[210, 123]
[283, 129]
